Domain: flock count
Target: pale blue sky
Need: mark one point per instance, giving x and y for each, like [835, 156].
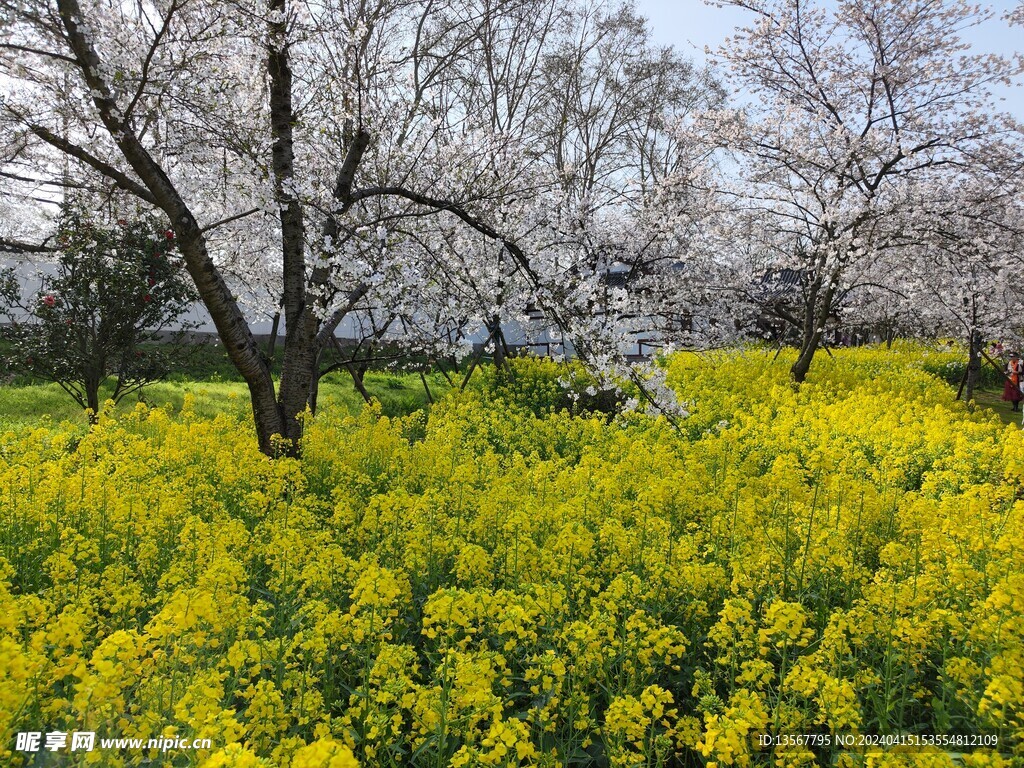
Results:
[689, 25]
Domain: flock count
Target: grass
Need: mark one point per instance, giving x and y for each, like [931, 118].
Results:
[205, 371]
[398, 393]
[992, 399]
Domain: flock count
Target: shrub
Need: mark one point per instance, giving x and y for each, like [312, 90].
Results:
[112, 288]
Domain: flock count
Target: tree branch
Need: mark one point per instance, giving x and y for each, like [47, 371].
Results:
[347, 172]
[229, 219]
[120, 178]
[17, 246]
[38, 52]
[331, 323]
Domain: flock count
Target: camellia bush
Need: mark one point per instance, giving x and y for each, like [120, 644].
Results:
[109, 290]
[493, 584]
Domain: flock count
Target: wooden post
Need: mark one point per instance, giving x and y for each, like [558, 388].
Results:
[963, 382]
[444, 372]
[357, 379]
[995, 365]
[426, 388]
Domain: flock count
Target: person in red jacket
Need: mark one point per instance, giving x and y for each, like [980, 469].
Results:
[1014, 376]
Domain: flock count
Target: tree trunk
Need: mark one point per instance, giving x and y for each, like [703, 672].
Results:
[314, 382]
[817, 308]
[810, 339]
[234, 332]
[973, 365]
[473, 364]
[92, 396]
[963, 382]
[499, 341]
[298, 367]
[275, 326]
[803, 361]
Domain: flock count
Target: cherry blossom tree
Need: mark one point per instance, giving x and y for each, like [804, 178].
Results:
[966, 276]
[320, 152]
[847, 104]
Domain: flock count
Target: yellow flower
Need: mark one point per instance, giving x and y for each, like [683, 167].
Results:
[234, 756]
[520, 584]
[324, 753]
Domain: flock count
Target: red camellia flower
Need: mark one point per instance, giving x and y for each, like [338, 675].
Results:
[49, 300]
[169, 234]
[147, 297]
[151, 282]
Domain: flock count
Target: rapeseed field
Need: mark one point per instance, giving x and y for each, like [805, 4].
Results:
[500, 584]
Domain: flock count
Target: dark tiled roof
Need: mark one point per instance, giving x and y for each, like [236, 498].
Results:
[780, 283]
[616, 279]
